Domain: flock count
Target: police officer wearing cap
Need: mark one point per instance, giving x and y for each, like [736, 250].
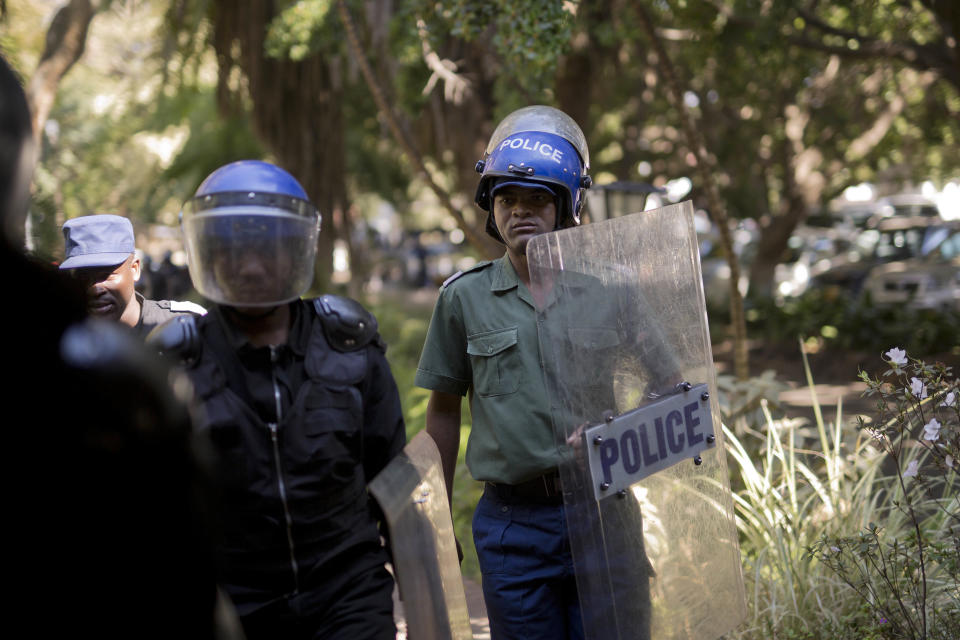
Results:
[300, 405]
[100, 254]
[483, 341]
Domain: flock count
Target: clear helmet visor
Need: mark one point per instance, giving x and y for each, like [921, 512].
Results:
[250, 255]
[545, 119]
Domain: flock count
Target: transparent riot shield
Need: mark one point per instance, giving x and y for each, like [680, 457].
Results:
[412, 494]
[626, 351]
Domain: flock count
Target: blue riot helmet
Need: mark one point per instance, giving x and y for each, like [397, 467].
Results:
[251, 236]
[539, 145]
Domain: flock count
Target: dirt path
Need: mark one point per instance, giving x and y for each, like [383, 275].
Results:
[475, 607]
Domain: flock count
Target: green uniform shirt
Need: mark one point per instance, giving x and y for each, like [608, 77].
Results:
[483, 340]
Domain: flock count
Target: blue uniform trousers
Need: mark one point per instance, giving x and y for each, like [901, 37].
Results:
[528, 580]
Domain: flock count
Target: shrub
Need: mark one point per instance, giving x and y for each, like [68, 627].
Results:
[905, 564]
[809, 499]
[853, 323]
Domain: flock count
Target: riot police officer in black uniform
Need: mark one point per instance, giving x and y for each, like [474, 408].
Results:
[299, 402]
[105, 532]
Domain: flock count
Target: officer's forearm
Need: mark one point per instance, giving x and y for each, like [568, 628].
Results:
[443, 425]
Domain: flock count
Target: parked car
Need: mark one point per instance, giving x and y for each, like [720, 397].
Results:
[931, 281]
[811, 250]
[906, 204]
[889, 240]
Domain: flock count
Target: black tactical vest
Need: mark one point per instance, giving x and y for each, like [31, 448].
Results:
[294, 502]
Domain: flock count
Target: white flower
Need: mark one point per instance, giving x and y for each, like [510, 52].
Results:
[911, 469]
[949, 400]
[917, 388]
[949, 460]
[931, 430]
[897, 356]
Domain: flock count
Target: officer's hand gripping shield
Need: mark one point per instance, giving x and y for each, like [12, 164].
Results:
[413, 496]
[626, 352]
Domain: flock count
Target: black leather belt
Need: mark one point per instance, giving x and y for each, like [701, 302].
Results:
[543, 489]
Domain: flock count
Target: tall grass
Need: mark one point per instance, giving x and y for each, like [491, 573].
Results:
[802, 489]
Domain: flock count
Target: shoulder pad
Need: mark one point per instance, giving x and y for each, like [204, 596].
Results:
[476, 267]
[187, 306]
[178, 337]
[347, 325]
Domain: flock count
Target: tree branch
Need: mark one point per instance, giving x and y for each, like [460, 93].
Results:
[923, 57]
[455, 86]
[717, 208]
[65, 42]
[477, 238]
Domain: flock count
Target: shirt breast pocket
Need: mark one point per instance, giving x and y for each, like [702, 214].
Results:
[591, 339]
[495, 358]
[334, 418]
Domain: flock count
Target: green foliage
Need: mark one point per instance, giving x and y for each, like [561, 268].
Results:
[301, 29]
[212, 141]
[854, 324]
[403, 325]
[741, 400]
[816, 564]
[791, 493]
[906, 569]
[529, 38]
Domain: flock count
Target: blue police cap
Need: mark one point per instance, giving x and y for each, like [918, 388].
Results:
[97, 241]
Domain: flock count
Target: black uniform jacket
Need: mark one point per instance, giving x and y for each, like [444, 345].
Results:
[299, 430]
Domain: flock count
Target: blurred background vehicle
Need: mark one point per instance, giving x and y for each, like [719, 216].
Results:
[928, 281]
[890, 239]
[906, 204]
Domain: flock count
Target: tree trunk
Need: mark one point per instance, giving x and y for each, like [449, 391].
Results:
[697, 145]
[296, 112]
[770, 249]
[576, 75]
[66, 39]
[65, 42]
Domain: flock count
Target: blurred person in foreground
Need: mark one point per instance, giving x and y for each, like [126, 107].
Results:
[300, 405]
[106, 513]
[101, 256]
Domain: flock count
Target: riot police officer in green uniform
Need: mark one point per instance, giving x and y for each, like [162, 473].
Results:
[483, 341]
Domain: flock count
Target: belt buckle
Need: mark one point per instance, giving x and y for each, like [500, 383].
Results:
[551, 485]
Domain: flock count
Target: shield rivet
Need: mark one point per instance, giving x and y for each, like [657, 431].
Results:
[711, 439]
[698, 461]
[597, 439]
[604, 486]
[704, 396]
[622, 494]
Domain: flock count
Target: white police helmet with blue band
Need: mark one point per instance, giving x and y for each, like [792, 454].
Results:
[539, 145]
[542, 118]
